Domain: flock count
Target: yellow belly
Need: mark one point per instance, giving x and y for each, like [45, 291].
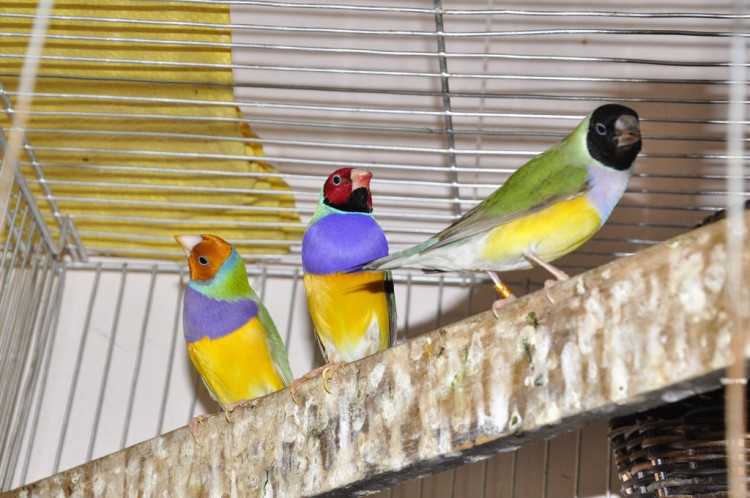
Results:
[550, 233]
[350, 313]
[237, 366]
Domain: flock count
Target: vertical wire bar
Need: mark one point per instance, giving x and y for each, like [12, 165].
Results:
[25, 319]
[41, 309]
[513, 469]
[12, 264]
[262, 283]
[21, 284]
[26, 85]
[292, 303]
[609, 472]
[77, 371]
[470, 298]
[172, 350]
[138, 358]
[107, 363]
[197, 386]
[482, 91]
[484, 477]
[11, 234]
[545, 471]
[439, 316]
[52, 326]
[736, 376]
[577, 477]
[407, 307]
[445, 90]
[8, 344]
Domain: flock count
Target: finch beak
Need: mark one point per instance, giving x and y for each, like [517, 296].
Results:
[627, 130]
[187, 242]
[360, 178]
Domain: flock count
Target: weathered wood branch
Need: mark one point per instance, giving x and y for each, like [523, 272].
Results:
[641, 330]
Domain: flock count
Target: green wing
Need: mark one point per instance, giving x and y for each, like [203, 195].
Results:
[275, 345]
[557, 174]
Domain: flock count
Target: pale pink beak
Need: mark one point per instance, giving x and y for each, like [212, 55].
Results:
[361, 178]
[187, 242]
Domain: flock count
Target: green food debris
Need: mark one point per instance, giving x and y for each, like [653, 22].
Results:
[528, 350]
[532, 320]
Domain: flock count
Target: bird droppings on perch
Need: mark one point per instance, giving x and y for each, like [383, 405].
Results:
[637, 332]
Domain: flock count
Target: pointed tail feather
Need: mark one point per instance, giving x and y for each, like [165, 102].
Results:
[401, 259]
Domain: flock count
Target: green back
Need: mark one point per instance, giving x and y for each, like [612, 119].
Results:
[559, 173]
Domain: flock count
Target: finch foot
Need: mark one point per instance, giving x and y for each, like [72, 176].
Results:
[294, 386]
[194, 429]
[230, 408]
[503, 292]
[326, 372]
[560, 275]
[500, 303]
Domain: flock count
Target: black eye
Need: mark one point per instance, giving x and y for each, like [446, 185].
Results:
[601, 129]
[203, 260]
[336, 179]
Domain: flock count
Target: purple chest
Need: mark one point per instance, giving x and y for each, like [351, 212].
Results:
[340, 242]
[203, 316]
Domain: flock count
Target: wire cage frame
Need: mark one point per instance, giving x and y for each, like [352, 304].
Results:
[442, 101]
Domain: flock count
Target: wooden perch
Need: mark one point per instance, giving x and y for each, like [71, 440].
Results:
[642, 330]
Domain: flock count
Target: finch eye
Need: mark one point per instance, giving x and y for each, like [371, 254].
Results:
[203, 260]
[336, 180]
[601, 129]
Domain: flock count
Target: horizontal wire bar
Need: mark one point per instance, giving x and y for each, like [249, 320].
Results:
[372, 72]
[379, 52]
[278, 159]
[253, 270]
[336, 144]
[372, 32]
[389, 91]
[156, 238]
[469, 12]
[373, 166]
[187, 221]
[314, 194]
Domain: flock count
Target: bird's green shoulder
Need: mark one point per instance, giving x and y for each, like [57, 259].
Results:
[558, 173]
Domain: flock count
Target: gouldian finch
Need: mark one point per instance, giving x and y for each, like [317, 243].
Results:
[549, 207]
[231, 339]
[354, 314]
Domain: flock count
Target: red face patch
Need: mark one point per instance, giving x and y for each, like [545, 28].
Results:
[348, 189]
[338, 187]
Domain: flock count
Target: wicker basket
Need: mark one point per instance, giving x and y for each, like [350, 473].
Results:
[677, 450]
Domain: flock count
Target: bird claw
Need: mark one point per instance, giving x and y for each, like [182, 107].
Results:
[194, 429]
[503, 292]
[293, 389]
[328, 371]
[548, 284]
[230, 408]
[500, 303]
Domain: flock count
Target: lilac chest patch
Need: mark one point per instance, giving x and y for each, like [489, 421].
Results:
[203, 316]
[340, 242]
